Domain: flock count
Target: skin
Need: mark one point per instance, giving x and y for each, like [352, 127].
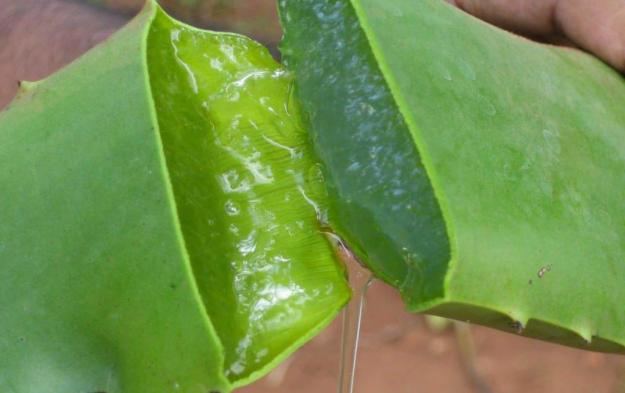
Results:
[597, 26]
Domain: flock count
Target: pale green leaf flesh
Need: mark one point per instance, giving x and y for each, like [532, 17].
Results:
[518, 151]
[248, 192]
[159, 229]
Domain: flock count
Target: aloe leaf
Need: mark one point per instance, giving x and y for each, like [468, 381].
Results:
[248, 191]
[478, 172]
[159, 205]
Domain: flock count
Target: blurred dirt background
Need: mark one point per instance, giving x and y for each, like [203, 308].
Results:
[399, 352]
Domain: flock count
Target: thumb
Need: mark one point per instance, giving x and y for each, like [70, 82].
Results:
[597, 26]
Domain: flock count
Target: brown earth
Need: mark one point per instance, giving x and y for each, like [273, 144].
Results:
[399, 353]
[254, 18]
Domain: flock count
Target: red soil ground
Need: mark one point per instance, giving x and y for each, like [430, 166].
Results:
[399, 354]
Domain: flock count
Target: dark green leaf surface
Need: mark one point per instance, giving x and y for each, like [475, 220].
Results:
[158, 234]
[384, 205]
[517, 145]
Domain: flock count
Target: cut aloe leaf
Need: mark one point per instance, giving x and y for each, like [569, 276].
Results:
[248, 191]
[478, 172]
[159, 232]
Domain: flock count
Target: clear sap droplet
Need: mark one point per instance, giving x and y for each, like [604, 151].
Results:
[247, 245]
[233, 182]
[233, 229]
[232, 208]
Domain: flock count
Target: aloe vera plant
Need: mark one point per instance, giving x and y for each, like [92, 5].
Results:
[164, 197]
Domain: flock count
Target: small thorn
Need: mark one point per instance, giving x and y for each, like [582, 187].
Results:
[517, 326]
[26, 85]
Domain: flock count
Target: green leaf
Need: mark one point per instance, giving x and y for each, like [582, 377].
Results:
[248, 193]
[158, 232]
[478, 172]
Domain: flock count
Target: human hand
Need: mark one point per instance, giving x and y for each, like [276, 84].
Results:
[597, 26]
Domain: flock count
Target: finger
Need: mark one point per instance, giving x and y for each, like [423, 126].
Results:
[528, 17]
[595, 25]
